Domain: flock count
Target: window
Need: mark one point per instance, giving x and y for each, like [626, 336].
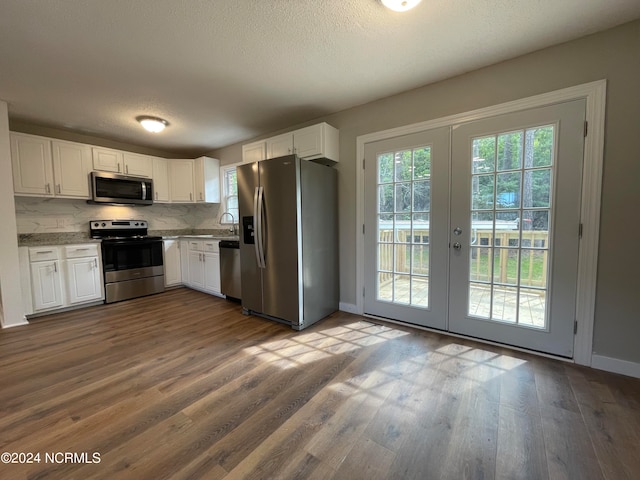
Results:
[230, 193]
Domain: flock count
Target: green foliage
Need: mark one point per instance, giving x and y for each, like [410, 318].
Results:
[497, 159]
[405, 181]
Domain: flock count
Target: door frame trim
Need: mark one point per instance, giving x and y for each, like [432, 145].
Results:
[595, 95]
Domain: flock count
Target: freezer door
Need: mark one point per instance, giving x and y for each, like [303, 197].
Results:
[250, 274]
[279, 178]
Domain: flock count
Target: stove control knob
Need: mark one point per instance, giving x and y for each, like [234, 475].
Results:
[104, 224]
[142, 224]
[96, 224]
[136, 224]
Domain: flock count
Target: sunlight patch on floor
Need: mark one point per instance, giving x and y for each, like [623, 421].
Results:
[306, 348]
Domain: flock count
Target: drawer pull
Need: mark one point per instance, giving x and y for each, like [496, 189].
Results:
[44, 251]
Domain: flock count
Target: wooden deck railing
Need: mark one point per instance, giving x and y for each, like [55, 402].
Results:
[534, 266]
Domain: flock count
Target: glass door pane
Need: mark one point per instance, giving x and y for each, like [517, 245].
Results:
[404, 199]
[511, 202]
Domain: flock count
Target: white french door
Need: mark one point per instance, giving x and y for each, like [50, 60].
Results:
[493, 252]
[406, 216]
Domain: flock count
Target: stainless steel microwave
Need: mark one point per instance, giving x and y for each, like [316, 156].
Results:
[121, 189]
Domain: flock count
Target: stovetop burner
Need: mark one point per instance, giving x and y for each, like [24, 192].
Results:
[119, 230]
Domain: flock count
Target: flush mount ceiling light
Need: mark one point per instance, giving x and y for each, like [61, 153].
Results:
[400, 5]
[152, 124]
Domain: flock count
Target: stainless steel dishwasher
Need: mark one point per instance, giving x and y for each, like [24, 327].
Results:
[230, 268]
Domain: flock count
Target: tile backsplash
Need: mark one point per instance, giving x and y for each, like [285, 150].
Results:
[56, 215]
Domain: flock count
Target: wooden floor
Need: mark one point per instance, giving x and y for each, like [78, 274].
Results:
[182, 385]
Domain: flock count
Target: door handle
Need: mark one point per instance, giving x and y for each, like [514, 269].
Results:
[261, 227]
[457, 246]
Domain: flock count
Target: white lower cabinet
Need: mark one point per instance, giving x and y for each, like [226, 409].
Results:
[196, 270]
[172, 270]
[212, 272]
[46, 284]
[203, 265]
[55, 277]
[83, 273]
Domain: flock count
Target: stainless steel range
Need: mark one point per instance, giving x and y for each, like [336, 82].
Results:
[132, 261]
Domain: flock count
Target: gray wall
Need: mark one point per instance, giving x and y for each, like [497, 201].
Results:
[613, 55]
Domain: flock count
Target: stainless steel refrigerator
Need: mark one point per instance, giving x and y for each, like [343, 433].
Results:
[288, 240]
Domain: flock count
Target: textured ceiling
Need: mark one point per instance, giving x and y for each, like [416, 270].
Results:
[224, 71]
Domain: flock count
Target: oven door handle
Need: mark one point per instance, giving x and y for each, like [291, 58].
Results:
[130, 242]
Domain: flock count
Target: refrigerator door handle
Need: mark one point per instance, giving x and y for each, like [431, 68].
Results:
[260, 239]
[256, 226]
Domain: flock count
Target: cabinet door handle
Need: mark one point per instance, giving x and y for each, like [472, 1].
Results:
[47, 188]
[190, 197]
[55, 267]
[201, 196]
[156, 195]
[59, 189]
[95, 262]
[118, 168]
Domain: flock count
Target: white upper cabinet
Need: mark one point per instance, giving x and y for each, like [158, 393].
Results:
[71, 168]
[280, 146]
[45, 167]
[31, 162]
[107, 160]
[254, 152]
[161, 180]
[316, 141]
[110, 160]
[182, 180]
[207, 180]
[320, 141]
[138, 165]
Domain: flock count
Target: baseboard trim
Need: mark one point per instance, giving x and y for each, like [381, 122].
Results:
[348, 307]
[18, 324]
[616, 365]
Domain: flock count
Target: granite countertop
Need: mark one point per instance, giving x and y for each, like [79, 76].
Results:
[210, 237]
[64, 238]
[69, 238]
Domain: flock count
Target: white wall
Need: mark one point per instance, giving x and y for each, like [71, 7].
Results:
[11, 311]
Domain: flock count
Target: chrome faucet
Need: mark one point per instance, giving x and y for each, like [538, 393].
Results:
[233, 222]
